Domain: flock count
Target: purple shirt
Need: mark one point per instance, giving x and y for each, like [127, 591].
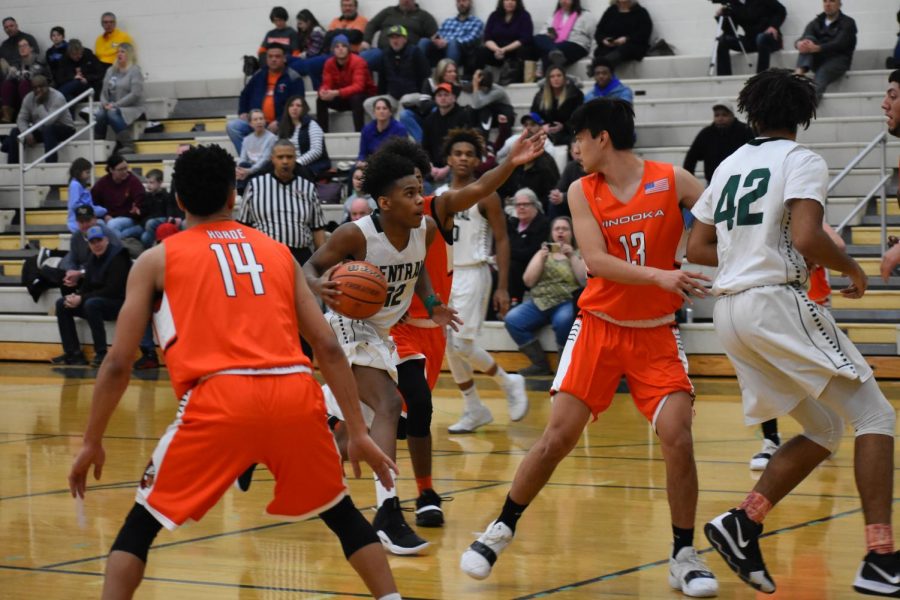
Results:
[502, 33]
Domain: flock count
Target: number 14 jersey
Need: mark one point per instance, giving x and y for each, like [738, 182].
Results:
[746, 203]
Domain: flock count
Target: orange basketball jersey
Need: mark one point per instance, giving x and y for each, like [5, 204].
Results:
[228, 303]
[643, 231]
[438, 265]
[819, 287]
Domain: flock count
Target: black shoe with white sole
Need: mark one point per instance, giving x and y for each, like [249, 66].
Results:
[879, 575]
[428, 510]
[736, 538]
[395, 535]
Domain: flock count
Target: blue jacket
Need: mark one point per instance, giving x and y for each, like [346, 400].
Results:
[79, 195]
[289, 84]
[370, 138]
[613, 89]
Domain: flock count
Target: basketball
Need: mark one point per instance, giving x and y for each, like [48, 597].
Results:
[363, 289]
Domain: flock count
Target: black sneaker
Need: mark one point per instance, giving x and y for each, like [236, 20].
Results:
[395, 535]
[736, 538]
[98, 359]
[147, 360]
[245, 479]
[428, 510]
[879, 575]
[70, 358]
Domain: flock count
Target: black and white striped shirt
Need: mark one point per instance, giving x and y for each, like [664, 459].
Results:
[286, 212]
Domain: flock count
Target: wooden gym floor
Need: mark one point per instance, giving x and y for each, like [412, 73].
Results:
[600, 529]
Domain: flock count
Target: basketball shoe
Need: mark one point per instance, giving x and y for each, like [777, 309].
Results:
[473, 419]
[394, 533]
[428, 509]
[736, 538]
[761, 459]
[479, 559]
[516, 397]
[879, 575]
[690, 574]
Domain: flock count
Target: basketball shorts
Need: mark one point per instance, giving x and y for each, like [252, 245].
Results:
[414, 342]
[599, 353]
[229, 422]
[469, 296]
[784, 347]
[363, 345]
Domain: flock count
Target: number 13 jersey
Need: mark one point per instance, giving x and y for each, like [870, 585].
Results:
[644, 231]
[746, 203]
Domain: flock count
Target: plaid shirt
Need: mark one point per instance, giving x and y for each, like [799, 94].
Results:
[464, 32]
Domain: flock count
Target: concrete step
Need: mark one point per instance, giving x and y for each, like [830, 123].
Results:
[169, 148]
[871, 266]
[876, 219]
[12, 268]
[46, 217]
[862, 315]
[17, 300]
[52, 241]
[893, 207]
[871, 333]
[43, 174]
[877, 349]
[873, 300]
[43, 329]
[870, 235]
[34, 196]
[79, 149]
[210, 124]
[875, 283]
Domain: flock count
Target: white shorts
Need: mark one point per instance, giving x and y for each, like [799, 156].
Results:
[334, 409]
[469, 297]
[784, 347]
[363, 345]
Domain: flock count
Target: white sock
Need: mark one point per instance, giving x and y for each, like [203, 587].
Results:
[501, 377]
[382, 493]
[394, 596]
[473, 402]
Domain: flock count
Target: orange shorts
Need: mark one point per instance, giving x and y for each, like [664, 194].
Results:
[228, 422]
[599, 353]
[429, 343]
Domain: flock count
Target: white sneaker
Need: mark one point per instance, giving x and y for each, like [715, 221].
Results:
[472, 420]
[690, 574]
[516, 397]
[477, 561]
[760, 460]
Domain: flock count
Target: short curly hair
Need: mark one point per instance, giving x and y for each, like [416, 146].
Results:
[464, 135]
[383, 169]
[204, 179]
[411, 150]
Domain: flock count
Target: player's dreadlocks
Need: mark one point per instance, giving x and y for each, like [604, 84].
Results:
[778, 99]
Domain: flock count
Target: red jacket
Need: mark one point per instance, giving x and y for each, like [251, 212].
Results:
[353, 78]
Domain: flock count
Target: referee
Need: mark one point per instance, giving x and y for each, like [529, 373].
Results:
[284, 205]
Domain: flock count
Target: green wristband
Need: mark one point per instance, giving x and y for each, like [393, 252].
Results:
[430, 302]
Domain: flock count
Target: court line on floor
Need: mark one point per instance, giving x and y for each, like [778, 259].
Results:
[253, 529]
[243, 586]
[615, 574]
[34, 437]
[98, 487]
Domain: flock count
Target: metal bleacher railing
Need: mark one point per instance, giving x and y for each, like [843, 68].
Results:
[25, 167]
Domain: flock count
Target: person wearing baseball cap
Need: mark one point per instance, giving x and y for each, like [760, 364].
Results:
[449, 115]
[346, 82]
[715, 142]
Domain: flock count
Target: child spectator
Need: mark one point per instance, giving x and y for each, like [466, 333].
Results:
[158, 207]
[79, 194]
[283, 34]
[55, 53]
[255, 150]
[310, 35]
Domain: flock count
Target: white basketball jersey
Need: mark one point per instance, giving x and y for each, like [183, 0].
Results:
[401, 268]
[746, 203]
[471, 238]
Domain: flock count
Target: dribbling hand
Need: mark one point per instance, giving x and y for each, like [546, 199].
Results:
[326, 289]
[90, 454]
[685, 283]
[363, 448]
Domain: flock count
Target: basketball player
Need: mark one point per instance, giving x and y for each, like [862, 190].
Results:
[891, 107]
[760, 217]
[420, 342]
[471, 288]
[232, 301]
[628, 223]
[395, 240]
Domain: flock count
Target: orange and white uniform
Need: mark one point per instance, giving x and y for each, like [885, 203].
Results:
[629, 329]
[418, 336]
[227, 324]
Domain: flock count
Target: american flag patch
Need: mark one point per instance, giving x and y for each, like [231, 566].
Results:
[660, 185]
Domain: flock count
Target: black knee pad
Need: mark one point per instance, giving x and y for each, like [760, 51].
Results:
[137, 533]
[415, 390]
[345, 520]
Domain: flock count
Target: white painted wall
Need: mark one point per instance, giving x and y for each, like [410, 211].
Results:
[188, 39]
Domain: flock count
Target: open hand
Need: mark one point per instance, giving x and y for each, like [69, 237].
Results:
[684, 283]
[363, 448]
[90, 454]
[445, 316]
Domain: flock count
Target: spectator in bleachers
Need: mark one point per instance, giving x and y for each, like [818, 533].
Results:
[9, 49]
[17, 77]
[121, 193]
[492, 105]
[157, 207]
[379, 130]
[79, 70]
[761, 21]
[38, 104]
[508, 39]
[310, 35]
[448, 115]
[349, 23]
[716, 142]
[404, 69]
[606, 84]
[414, 108]
[256, 150]
[283, 34]
[106, 47]
[121, 99]
[418, 24]
[357, 195]
[554, 274]
[826, 46]
[305, 134]
[70, 270]
[99, 298]
[457, 38]
[56, 52]
[532, 124]
[359, 208]
[79, 193]
[558, 205]
[346, 83]
[527, 230]
[555, 101]
[540, 176]
[267, 90]
[623, 33]
[283, 204]
[567, 35]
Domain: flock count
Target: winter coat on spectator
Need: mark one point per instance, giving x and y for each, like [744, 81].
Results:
[289, 84]
[91, 69]
[118, 198]
[403, 72]
[419, 23]
[635, 25]
[351, 79]
[370, 138]
[126, 90]
[523, 245]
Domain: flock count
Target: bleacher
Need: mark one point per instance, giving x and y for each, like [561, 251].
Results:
[673, 100]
